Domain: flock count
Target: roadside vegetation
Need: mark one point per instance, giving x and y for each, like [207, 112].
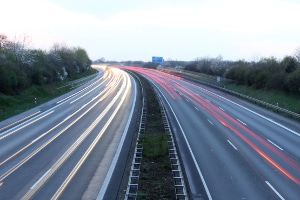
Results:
[29, 76]
[265, 73]
[275, 81]
[156, 179]
[283, 99]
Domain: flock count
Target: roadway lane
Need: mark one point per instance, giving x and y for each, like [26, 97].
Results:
[237, 149]
[67, 140]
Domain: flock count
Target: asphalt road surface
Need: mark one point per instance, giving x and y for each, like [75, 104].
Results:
[230, 149]
[69, 147]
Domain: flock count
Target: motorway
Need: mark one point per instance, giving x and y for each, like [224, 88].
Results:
[69, 148]
[230, 148]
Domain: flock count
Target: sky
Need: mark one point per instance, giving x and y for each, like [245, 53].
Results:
[122, 30]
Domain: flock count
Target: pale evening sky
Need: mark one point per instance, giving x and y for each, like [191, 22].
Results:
[174, 29]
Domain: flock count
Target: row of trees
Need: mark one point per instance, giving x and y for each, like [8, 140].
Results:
[266, 73]
[22, 66]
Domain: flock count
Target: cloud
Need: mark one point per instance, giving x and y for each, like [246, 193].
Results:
[43, 21]
[203, 27]
[232, 15]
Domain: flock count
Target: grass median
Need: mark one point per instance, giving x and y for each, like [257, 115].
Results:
[156, 179]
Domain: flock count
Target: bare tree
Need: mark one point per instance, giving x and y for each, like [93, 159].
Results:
[297, 54]
[218, 66]
[19, 46]
[3, 41]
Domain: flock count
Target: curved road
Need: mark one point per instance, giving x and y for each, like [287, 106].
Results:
[69, 148]
[231, 149]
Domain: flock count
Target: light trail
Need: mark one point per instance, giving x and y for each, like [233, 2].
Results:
[24, 118]
[10, 132]
[226, 120]
[19, 164]
[73, 147]
[103, 94]
[95, 141]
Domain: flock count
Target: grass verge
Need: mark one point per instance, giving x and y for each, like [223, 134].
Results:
[286, 100]
[13, 105]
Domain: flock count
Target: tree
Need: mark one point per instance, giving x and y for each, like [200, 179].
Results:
[3, 42]
[297, 54]
[238, 71]
[276, 81]
[290, 64]
[204, 65]
[82, 58]
[218, 66]
[191, 67]
[22, 66]
[293, 81]
[100, 60]
[19, 47]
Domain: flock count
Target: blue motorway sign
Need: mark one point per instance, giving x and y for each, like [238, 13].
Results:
[157, 59]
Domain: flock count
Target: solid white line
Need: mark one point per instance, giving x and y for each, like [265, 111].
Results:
[232, 144]
[24, 118]
[196, 108]
[90, 148]
[275, 145]
[242, 122]
[188, 145]
[117, 154]
[33, 186]
[266, 118]
[269, 184]
[23, 125]
[41, 114]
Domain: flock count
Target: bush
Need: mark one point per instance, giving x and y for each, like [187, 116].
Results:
[293, 81]
[21, 67]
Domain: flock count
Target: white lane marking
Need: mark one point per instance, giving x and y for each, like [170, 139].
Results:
[208, 100]
[78, 92]
[187, 100]
[196, 108]
[24, 118]
[75, 145]
[232, 145]
[277, 193]
[188, 145]
[210, 122]
[39, 115]
[33, 186]
[221, 108]
[23, 125]
[275, 145]
[117, 154]
[94, 88]
[253, 112]
[242, 122]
